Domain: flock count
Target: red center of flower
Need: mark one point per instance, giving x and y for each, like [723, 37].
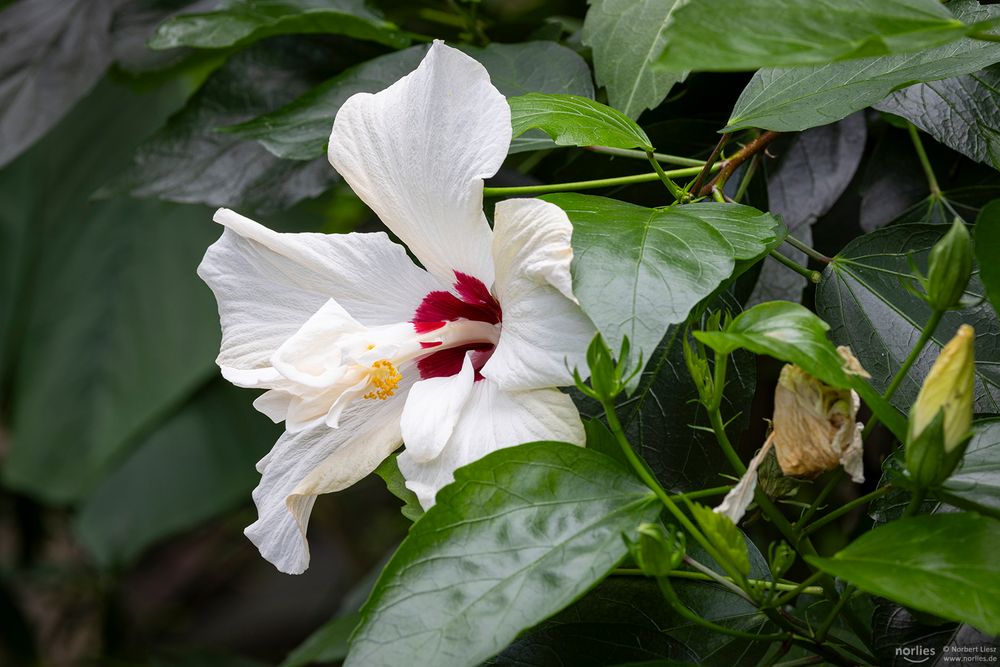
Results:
[474, 302]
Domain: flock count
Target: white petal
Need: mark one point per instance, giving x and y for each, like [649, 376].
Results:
[308, 357]
[493, 419]
[315, 461]
[274, 403]
[544, 334]
[432, 410]
[268, 284]
[417, 154]
[735, 504]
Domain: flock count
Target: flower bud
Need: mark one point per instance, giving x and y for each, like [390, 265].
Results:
[941, 417]
[815, 426]
[658, 550]
[949, 268]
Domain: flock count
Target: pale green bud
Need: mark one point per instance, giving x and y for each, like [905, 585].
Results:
[949, 268]
[941, 417]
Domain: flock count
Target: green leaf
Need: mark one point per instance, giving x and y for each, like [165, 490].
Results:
[327, 644]
[963, 112]
[624, 36]
[572, 120]
[52, 52]
[792, 333]
[741, 35]
[189, 161]
[976, 483]
[987, 242]
[301, 129]
[638, 270]
[943, 564]
[239, 22]
[388, 470]
[863, 298]
[724, 536]
[196, 465]
[519, 535]
[625, 620]
[798, 98]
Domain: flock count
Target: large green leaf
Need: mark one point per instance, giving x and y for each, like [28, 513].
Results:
[51, 53]
[943, 564]
[747, 34]
[197, 464]
[976, 483]
[963, 112]
[301, 129]
[799, 98]
[988, 251]
[638, 270]
[863, 298]
[790, 332]
[626, 620]
[189, 161]
[813, 171]
[519, 535]
[572, 120]
[624, 36]
[238, 22]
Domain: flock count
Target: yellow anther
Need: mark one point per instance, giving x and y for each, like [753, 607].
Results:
[385, 377]
[371, 346]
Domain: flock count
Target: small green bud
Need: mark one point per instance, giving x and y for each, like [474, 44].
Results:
[782, 557]
[941, 417]
[658, 550]
[949, 268]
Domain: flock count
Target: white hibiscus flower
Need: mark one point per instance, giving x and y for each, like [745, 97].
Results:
[361, 349]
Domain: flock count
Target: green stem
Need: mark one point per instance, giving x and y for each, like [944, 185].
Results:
[811, 276]
[723, 581]
[832, 617]
[831, 484]
[647, 477]
[747, 177]
[985, 36]
[918, 145]
[916, 500]
[845, 508]
[807, 249]
[797, 590]
[925, 335]
[680, 608]
[585, 185]
[718, 196]
[804, 587]
[675, 190]
[642, 155]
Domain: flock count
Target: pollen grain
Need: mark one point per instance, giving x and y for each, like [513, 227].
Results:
[385, 377]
